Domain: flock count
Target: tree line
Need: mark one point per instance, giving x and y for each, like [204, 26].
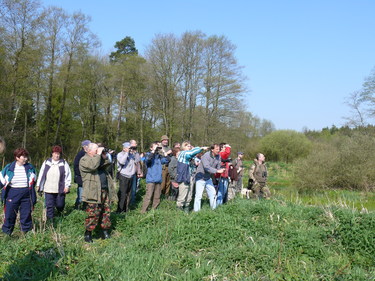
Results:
[57, 88]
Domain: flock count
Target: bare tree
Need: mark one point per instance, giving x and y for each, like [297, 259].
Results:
[356, 102]
[362, 103]
[191, 50]
[20, 21]
[79, 38]
[167, 72]
[222, 83]
[53, 29]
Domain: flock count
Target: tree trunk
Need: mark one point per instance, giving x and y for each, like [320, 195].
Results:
[49, 100]
[25, 132]
[120, 110]
[65, 93]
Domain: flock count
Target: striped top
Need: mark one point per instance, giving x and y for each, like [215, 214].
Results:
[20, 178]
[186, 155]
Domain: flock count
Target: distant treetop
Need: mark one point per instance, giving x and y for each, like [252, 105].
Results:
[124, 47]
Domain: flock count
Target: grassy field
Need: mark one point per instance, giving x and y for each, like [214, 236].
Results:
[280, 182]
[286, 238]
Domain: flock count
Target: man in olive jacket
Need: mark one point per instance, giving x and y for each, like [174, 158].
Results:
[258, 173]
[98, 190]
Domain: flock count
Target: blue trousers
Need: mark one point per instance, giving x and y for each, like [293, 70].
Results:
[53, 200]
[133, 191]
[18, 200]
[222, 194]
[79, 195]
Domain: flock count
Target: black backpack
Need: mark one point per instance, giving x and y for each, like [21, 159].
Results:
[143, 168]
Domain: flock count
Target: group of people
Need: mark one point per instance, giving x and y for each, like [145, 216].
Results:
[180, 173]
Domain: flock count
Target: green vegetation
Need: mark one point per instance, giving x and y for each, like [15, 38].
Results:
[278, 239]
[285, 145]
[346, 162]
[282, 185]
[281, 182]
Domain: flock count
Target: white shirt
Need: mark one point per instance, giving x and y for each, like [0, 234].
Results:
[52, 178]
[20, 178]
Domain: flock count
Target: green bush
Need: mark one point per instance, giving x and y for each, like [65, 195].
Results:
[343, 162]
[285, 146]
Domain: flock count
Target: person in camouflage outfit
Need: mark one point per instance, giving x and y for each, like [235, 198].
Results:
[98, 190]
[258, 173]
[95, 214]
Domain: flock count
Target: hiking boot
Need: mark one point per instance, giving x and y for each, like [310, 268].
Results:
[77, 206]
[106, 234]
[187, 209]
[88, 237]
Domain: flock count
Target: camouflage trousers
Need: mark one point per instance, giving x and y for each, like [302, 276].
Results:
[98, 213]
[261, 190]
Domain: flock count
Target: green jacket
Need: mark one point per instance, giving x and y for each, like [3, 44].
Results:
[258, 172]
[91, 182]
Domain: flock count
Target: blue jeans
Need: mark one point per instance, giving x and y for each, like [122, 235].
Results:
[222, 194]
[211, 192]
[79, 195]
[133, 191]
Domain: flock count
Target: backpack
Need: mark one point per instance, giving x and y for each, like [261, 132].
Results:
[250, 184]
[144, 169]
[233, 173]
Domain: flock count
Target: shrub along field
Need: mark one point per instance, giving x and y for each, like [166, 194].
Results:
[284, 238]
[281, 181]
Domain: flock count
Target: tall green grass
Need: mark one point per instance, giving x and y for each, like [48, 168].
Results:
[280, 181]
[242, 240]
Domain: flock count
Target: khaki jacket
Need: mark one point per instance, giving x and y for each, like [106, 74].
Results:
[91, 182]
[258, 172]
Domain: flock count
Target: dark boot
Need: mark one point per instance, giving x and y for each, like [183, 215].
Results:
[88, 237]
[186, 209]
[180, 208]
[106, 234]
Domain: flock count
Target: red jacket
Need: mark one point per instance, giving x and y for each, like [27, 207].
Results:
[224, 155]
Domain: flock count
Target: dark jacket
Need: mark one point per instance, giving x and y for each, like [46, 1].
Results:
[77, 172]
[172, 169]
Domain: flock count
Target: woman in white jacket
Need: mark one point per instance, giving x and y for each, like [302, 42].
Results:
[54, 180]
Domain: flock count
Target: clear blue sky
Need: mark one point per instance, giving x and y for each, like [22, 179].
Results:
[302, 58]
